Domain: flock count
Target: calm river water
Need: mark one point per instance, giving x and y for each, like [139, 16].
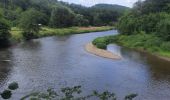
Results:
[62, 61]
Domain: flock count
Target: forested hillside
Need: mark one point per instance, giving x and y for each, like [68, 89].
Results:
[28, 15]
[12, 10]
[147, 26]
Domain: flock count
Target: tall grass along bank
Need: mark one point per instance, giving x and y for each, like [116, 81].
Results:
[46, 31]
[144, 42]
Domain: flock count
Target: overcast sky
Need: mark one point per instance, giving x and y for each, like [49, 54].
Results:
[128, 3]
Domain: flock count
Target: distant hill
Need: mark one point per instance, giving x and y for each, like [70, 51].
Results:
[110, 7]
[97, 15]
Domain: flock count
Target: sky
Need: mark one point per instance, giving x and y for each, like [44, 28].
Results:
[128, 3]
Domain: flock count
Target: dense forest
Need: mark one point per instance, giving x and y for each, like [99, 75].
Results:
[29, 15]
[150, 16]
[145, 27]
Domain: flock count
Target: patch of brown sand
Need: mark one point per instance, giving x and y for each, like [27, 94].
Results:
[100, 52]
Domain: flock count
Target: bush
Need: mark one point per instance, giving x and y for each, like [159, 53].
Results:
[147, 42]
[29, 35]
[101, 45]
[102, 42]
[165, 46]
[99, 40]
[6, 94]
[13, 86]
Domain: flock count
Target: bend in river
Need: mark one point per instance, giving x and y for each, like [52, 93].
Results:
[62, 61]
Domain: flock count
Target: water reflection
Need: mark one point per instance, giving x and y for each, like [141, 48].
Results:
[160, 68]
[5, 65]
[31, 45]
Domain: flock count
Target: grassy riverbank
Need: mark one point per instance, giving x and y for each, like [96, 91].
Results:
[144, 42]
[46, 31]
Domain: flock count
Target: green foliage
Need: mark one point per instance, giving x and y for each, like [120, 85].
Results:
[132, 24]
[4, 33]
[127, 24]
[141, 41]
[102, 42]
[105, 95]
[130, 96]
[50, 94]
[150, 17]
[99, 14]
[61, 17]
[47, 31]
[13, 86]
[30, 21]
[101, 45]
[165, 46]
[27, 14]
[151, 6]
[13, 9]
[68, 93]
[79, 20]
[163, 29]
[6, 94]
[105, 17]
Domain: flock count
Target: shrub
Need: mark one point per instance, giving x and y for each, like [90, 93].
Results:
[165, 46]
[6, 94]
[13, 86]
[144, 41]
[101, 45]
[102, 42]
[29, 35]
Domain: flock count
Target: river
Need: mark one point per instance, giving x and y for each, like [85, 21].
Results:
[55, 62]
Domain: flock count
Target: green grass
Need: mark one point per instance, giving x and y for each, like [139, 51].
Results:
[16, 34]
[164, 53]
[102, 42]
[46, 31]
[146, 42]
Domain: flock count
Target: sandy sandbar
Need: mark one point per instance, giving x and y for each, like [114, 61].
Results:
[100, 52]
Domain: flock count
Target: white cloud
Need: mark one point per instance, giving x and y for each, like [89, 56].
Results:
[128, 3]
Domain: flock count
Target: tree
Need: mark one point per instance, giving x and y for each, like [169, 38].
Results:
[163, 29]
[30, 21]
[4, 33]
[152, 6]
[79, 20]
[61, 16]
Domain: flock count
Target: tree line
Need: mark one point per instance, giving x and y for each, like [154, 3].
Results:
[29, 15]
[147, 26]
[150, 17]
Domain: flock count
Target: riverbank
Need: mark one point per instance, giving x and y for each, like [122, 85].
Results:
[100, 52]
[140, 42]
[46, 31]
